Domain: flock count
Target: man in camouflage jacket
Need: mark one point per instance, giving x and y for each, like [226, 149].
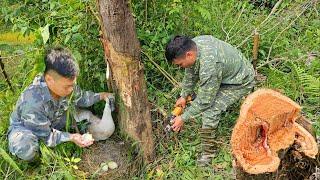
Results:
[223, 74]
[41, 110]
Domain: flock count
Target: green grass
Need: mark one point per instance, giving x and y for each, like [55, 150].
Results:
[294, 42]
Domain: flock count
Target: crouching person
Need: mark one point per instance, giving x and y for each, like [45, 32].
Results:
[41, 111]
[223, 76]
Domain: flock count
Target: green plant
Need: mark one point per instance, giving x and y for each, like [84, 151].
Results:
[288, 56]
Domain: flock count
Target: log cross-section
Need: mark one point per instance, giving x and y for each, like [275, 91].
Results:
[266, 125]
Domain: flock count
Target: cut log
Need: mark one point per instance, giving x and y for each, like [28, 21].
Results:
[267, 126]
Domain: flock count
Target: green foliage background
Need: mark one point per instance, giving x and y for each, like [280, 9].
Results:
[288, 56]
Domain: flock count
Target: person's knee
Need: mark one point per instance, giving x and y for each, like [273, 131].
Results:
[24, 145]
[210, 125]
[211, 118]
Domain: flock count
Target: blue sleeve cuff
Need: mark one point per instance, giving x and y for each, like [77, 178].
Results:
[65, 136]
[96, 97]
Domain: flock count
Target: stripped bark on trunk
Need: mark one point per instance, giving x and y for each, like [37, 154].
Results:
[122, 51]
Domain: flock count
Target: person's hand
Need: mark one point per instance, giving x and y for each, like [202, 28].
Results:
[106, 95]
[178, 123]
[181, 102]
[78, 140]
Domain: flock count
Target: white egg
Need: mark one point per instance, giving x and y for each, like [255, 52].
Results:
[112, 165]
[105, 168]
[87, 137]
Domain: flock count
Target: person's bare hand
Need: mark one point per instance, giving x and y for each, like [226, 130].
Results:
[78, 140]
[181, 102]
[178, 123]
[105, 95]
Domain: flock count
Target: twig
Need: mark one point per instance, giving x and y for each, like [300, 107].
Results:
[269, 53]
[7, 173]
[23, 53]
[274, 9]
[95, 14]
[243, 27]
[268, 62]
[238, 19]
[5, 74]
[273, 27]
[222, 25]
[285, 58]
[165, 73]
[146, 10]
[9, 57]
[280, 21]
[227, 35]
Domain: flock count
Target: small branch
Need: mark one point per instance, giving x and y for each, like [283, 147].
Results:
[165, 73]
[245, 26]
[227, 35]
[268, 62]
[222, 25]
[5, 75]
[95, 14]
[146, 10]
[9, 57]
[274, 9]
[238, 19]
[17, 55]
[7, 173]
[269, 53]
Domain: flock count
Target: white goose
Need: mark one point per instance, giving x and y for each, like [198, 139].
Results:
[100, 129]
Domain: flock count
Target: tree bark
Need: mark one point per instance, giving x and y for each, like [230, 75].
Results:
[122, 51]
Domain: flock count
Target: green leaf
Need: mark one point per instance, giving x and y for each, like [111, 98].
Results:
[67, 39]
[76, 160]
[75, 28]
[67, 159]
[9, 160]
[45, 33]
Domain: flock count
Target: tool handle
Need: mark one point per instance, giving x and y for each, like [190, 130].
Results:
[177, 111]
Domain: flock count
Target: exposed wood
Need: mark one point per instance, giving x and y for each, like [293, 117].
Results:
[122, 51]
[255, 49]
[267, 139]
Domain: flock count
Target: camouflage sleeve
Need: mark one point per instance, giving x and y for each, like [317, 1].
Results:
[210, 80]
[85, 98]
[35, 119]
[188, 82]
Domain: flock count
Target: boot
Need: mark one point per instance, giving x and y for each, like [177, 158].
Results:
[207, 146]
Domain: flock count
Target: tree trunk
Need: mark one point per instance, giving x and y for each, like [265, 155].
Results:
[122, 51]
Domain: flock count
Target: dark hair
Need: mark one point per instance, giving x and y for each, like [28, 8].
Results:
[178, 46]
[61, 61]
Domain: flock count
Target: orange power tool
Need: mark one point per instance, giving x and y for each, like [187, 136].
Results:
[177, 111]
